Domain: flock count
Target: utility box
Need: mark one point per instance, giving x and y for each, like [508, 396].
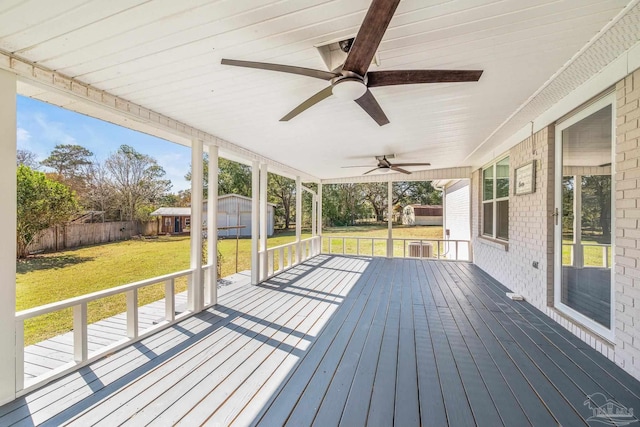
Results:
[420, 250]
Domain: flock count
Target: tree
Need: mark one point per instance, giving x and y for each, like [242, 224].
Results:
[27, 158]
[68, 160]
[233, 177]
[137, 182]
[42, 203]
[282, 192]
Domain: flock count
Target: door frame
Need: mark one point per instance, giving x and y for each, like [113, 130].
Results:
[609, 334]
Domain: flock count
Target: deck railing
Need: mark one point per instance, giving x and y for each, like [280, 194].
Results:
[585, 255]
[81, 355]
[283, 257]
[449, 249]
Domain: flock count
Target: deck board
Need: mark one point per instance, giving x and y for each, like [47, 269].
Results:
[338, 340]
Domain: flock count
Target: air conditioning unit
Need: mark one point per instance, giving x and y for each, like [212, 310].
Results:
[420, 250]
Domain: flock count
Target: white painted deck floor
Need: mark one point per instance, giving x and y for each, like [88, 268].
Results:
[345, 341]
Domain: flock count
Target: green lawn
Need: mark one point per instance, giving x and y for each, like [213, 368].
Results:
[53, 277]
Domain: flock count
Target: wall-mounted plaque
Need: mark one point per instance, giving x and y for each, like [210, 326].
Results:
[525, 179]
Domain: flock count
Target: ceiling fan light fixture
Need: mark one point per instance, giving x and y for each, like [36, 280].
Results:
[349, 89]
[385, 170]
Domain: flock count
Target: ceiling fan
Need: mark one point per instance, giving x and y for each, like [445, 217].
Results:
[352, 80]
[384, 165]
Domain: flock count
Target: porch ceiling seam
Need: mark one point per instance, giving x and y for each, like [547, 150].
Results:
[75, 89]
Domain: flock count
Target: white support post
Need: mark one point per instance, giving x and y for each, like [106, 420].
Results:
[390, 220]
[319, 218]
[314, 207]
[255, 218]
[211, 284]
[298, 218]
[263, 221]
[8, 341]
[196, 291]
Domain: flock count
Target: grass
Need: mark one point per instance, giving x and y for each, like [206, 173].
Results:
[592, 255]
[54, 277]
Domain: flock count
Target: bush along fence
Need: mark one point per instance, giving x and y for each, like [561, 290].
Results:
[76, 235]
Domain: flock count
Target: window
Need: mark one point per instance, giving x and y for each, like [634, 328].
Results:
[495, 200]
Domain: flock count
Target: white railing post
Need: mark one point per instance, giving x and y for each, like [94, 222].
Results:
[169, 300]
[211, 284]
[270, 255]
[19, 354]
[358, 246]
[132, 314]
[196, 290]
[319, 216]
[281, 259]
[8, 190]
[255, 219]
[80, 335]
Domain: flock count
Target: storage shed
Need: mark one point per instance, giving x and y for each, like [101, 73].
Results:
[233, 210]
[422, 215]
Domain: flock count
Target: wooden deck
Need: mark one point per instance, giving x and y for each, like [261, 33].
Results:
[45, 356]
[345, 341]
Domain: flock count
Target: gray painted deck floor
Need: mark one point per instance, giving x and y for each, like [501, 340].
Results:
[45, 356]
[345, 341]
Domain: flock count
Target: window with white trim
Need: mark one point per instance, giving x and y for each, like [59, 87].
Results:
[495, 200]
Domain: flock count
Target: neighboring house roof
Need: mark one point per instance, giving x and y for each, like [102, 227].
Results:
[172, 211]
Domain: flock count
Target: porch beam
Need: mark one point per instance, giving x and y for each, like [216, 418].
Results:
[211, 283]
[255, 218]
[463, 172]
[264, 176]
[125, 113]
[196, 291]
[8, 341]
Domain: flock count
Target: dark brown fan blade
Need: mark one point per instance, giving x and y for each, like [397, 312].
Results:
[412, 164]
[374, 169]
[370, 35]
[318, 74]
[323, 94]
[408, 77]
[397, 169]
[370, 105]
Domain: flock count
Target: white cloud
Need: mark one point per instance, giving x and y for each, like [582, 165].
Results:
[23, 135]
[54, 131]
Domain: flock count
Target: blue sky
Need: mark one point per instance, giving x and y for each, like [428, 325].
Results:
[42, 126]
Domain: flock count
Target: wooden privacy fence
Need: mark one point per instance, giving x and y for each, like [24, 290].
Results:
[76, 235]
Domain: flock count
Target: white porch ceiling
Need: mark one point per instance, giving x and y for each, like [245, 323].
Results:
[165, 56]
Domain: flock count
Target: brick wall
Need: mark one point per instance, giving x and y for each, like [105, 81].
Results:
[531, 231]
[627, 259]
[530, 226]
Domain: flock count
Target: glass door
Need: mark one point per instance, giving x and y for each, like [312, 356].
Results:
[584, 220]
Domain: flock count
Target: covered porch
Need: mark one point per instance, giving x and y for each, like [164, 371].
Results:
[347, 340]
